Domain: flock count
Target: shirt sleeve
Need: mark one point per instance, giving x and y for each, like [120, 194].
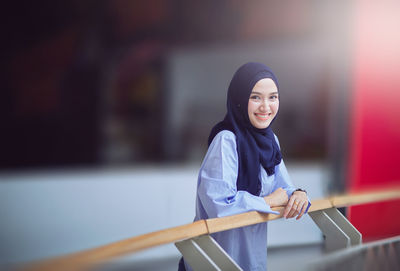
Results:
[283, 179]
[217, 189]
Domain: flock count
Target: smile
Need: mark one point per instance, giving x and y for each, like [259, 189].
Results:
[262, 116]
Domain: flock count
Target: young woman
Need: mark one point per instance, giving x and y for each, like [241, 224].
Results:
[243, 169]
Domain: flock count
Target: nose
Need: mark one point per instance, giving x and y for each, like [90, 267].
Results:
[265, 106]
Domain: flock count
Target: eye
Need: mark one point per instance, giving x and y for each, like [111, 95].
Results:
[273, 97]
[255, 97]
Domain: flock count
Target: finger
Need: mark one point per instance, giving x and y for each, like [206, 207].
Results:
[303, 209]
[293, 212]
[288, 207]
[287, 210]
[297, 205]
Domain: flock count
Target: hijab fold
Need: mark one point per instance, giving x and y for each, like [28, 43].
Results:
[254, 146]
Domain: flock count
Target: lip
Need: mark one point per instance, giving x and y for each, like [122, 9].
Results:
[262, 116]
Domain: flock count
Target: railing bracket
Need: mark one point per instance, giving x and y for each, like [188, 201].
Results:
[338, 231]
[204, 253]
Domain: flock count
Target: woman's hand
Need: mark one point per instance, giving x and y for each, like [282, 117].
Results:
[297, 205]
[277, 198]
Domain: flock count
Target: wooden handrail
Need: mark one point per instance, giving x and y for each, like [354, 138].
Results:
[89, 258]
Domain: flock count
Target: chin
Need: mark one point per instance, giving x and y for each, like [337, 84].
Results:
[262, 126]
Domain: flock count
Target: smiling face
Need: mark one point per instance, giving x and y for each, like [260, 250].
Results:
[263, 103]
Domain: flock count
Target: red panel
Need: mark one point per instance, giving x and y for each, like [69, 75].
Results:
[375, 124]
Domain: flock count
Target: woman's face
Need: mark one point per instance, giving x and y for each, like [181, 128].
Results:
[263, 103]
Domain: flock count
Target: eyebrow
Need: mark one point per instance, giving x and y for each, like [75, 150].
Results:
[259, 93]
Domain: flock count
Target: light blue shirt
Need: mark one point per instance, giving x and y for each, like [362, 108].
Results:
[217, 196]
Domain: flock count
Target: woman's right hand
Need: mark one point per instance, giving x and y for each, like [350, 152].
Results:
[277, 198]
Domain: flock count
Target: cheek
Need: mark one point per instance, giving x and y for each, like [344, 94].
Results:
[276, 106]
[250, 107]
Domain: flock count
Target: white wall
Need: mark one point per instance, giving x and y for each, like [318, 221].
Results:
[45, 214]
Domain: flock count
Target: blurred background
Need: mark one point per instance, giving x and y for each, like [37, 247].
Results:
[107, 105]
[122, 82]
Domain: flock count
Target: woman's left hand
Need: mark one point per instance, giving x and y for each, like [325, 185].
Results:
[296, 205]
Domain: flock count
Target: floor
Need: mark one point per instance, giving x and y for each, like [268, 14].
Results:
[279, 258]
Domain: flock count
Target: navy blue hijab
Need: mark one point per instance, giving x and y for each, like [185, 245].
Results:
[254, 146]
